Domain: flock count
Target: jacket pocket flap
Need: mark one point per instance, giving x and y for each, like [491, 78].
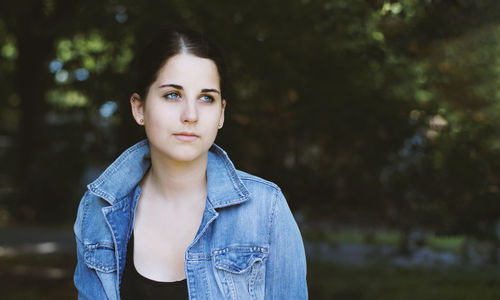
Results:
[239, 259]
[100, 257]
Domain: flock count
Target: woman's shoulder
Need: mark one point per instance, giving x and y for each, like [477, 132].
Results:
[262, 191]
[255, 181]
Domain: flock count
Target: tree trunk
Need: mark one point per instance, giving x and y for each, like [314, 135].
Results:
[34, 50]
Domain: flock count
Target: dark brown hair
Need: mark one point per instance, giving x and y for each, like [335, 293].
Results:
[168, 43]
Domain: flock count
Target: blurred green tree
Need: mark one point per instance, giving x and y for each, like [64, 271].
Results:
[364, 111]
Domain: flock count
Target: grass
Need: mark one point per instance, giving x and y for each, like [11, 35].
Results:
[452, 244]
[354, 237]
[50, 277]
[329, 281]
[387, 238]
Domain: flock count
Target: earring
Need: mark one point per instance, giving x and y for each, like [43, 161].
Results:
[141, 121]
[220, 126]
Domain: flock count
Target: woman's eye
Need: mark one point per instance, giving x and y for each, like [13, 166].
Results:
[207, 98]
[172, 95]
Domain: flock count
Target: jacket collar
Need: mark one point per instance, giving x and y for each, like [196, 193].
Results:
[224, 187]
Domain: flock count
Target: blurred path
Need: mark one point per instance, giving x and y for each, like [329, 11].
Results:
[35, 240]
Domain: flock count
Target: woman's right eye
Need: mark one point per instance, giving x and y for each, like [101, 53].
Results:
[171, 95]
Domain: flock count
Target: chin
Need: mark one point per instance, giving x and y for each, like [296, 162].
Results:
[187, 155]
[185, 158]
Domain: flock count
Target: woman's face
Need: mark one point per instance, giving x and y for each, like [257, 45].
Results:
[183, 109]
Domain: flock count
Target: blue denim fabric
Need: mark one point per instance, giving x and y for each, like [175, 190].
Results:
[248, 245]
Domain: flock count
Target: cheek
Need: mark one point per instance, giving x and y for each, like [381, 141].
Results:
[159, 113]
[213, 119]
[212, 126]
[159, 120]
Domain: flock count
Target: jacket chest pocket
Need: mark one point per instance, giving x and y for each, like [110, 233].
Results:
[100, 257]
[240, 271]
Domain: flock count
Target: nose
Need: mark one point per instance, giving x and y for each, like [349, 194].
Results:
[189, 112]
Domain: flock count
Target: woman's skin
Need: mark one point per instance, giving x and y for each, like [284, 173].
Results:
[182, 113]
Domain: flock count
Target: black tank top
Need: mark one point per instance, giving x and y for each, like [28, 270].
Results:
[135, 286]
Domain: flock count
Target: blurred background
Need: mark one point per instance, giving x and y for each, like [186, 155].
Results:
[379, 119]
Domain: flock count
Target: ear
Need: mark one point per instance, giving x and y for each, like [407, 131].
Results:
[221, 118]
[137, 105]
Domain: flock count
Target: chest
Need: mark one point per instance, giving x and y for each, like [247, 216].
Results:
[162, 234]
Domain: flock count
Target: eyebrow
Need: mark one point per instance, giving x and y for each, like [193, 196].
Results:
[179, 87]
[175, 86]
[210, 90]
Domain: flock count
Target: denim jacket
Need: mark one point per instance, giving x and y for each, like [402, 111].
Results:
[248, 245]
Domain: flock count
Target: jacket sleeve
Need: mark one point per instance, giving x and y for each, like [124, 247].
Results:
[286, 264]
[86, 280]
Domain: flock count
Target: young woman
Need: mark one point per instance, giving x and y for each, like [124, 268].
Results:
[172, 218]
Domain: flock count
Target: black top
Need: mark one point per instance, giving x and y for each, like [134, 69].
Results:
[136, 286]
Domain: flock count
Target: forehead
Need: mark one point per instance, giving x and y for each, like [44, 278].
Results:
[189, 70]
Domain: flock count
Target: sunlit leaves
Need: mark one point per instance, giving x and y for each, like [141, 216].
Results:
[90, 50]
[391, 7]
[90, 53]
[66, 98]
[123, 54]
[9, 50]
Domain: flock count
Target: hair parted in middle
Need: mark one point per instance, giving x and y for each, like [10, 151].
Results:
[171, 42]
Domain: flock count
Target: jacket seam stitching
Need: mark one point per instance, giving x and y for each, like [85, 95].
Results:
[270, 184]
[84, 215]
[272, 217]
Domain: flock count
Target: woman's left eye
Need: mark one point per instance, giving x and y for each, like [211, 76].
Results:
[207, 98]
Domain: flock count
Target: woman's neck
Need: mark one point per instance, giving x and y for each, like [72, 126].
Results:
[175, 181]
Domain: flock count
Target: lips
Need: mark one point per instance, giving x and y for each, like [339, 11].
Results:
[186, 136]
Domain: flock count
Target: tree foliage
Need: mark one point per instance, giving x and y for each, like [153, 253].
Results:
[363, 111]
